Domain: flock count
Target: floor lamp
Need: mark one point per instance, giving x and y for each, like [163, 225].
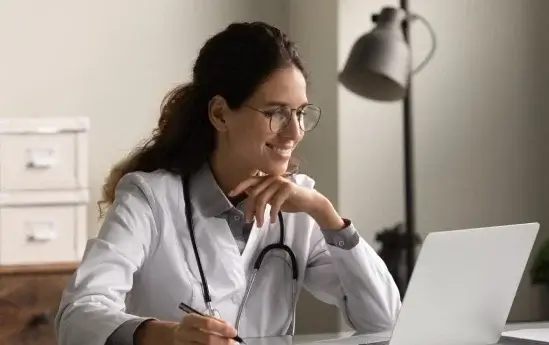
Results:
[379, 68]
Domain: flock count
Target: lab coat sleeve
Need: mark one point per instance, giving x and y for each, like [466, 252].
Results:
[92, 305]
[354, 279]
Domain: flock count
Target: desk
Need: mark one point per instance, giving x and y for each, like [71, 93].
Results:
[310, 338]
[29, 299]
[521, 325]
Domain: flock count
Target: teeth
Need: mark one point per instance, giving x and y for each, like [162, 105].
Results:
[284, 152]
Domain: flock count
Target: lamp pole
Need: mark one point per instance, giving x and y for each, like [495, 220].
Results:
[409, 192]
[379, 68]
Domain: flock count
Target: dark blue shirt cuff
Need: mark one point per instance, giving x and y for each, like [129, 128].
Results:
[124, 334]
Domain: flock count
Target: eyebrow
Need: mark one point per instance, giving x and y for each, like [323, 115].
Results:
[282, 104]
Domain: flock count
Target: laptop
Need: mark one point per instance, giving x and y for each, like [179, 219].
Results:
[462, 287]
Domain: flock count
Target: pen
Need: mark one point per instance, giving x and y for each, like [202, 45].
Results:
[189, 310]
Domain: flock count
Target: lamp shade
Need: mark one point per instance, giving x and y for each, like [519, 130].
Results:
[379, 64]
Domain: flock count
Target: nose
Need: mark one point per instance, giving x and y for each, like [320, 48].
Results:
[293, 130]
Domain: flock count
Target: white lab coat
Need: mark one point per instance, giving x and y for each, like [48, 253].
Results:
[142, 265]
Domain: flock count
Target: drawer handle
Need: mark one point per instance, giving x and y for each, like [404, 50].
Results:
[41, 232]
[41, 158]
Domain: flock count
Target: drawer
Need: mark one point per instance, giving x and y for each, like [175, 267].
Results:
[39, 235]
[41, 161]
[28, 305]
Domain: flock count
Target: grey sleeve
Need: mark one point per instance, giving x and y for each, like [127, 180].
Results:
[346, 238]
[123, 335]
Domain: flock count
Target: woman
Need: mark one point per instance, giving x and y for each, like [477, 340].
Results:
[231, 133]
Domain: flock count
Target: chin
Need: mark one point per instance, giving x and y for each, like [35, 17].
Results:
[274, 162]
[274, 169]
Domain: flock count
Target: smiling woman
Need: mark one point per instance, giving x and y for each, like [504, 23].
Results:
[192, 216]
[264, 132]
[217, 116]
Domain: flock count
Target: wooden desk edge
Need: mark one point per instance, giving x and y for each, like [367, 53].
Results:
[50, 268]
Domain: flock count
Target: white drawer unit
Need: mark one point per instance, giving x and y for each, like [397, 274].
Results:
[43, 190]
[35, 235]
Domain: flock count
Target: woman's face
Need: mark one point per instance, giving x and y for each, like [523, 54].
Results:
[246, 132]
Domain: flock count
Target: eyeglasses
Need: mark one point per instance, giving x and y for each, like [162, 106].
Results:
[308, 117]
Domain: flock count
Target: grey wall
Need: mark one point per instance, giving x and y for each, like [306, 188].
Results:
[313, 25]
[480, 121]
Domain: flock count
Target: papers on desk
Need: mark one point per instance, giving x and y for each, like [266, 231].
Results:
[538, 335]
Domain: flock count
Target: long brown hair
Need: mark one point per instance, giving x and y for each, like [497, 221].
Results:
[232, 64]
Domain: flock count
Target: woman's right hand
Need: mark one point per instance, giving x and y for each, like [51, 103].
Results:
[205, 330]
[192, 330]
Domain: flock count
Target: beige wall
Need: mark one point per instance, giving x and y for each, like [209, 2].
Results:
[110, 60]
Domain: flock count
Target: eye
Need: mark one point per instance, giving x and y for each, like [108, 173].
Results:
[270, 112]
[280, 112]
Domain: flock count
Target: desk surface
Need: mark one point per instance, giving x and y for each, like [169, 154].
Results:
[309, 338]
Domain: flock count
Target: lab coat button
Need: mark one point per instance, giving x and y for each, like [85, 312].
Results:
[237, 218]
[340, 243]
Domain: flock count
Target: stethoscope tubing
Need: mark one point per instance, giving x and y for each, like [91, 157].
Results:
[257, 264]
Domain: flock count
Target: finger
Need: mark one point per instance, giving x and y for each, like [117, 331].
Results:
[253, 181]
[278, 200]
[197, 336]
[247, 183]
[209, 324]
[262, 199]
[253, 193]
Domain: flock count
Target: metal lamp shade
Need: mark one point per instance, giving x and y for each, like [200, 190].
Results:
[379, 64]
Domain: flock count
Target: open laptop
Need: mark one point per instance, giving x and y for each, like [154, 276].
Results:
[462, 287]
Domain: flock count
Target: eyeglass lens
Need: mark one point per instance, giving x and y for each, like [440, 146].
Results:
[307, 117]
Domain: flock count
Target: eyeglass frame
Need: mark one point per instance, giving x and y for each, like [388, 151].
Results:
[270, 116]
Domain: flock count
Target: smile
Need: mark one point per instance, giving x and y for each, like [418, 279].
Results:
[285, 152]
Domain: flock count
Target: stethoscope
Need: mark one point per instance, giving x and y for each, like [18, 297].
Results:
[280, 246]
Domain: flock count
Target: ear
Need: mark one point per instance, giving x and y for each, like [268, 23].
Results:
[217, 112]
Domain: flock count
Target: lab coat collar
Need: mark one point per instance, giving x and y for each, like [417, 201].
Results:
[210, 199]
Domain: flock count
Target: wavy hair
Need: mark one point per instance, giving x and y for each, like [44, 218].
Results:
[231, 64]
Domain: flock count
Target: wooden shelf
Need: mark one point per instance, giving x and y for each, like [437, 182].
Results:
[61, 267]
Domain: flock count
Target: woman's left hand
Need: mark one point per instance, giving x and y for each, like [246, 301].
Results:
[286, 196]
